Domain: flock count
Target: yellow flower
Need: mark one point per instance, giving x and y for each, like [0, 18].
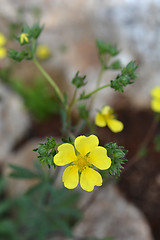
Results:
[24, 38]
[3, 52]
[2, 39]
[82, 158]
[43, 52]
[107, 118]
[155, 102]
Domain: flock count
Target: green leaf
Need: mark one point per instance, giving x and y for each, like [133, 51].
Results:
[69, 140]
[36, 30]
[5, 206]
[21, 172]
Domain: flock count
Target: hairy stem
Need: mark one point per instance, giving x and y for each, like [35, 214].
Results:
[50, 80]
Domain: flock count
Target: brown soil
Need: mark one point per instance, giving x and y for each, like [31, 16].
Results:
[140, 181]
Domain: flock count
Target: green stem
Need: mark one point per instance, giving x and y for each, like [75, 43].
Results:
[100, 77]
[50, 80]
[73, 99]
[94, 91]
[68, 111]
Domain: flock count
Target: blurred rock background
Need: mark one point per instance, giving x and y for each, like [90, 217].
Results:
[70, 30]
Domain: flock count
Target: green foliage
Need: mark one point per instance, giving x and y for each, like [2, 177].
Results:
[8, 229]
[157, 143]
[106, 48]
[46, 152]
[79, 81]
[41, 212]
[126, 77]
[45, 211]
[117, 155]
[29, 46]
[116, 65]
[21, 172]
[37, 98]
[19, 56]
[35, 31]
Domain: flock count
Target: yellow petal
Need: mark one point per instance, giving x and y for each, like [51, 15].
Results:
[106, 110]
[115, 125]
[98, 157]
[71, 177]
[24, 38]
[156, 92]
[85, 144]
[155, 105]
[66, 154]
[3, 52]
[100, 120]
[2, 39]
[43, 52]
[90, 178]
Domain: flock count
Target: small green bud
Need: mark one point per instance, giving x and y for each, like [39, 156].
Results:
[117, 155]
[126, 77]
[104, 48]
[79, 81]
[42, 150]
[23, 38]
[46, 152]
[116, 65]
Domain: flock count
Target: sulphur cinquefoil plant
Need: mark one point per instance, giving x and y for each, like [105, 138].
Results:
[82, 154]
[85, 159]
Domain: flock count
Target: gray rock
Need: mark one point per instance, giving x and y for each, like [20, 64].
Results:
[132, 25]
[110, 215]
[14, 120]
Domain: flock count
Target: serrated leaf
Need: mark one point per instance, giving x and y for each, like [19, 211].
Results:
[21, 172]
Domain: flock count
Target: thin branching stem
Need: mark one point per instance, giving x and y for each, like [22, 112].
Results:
[50, 80]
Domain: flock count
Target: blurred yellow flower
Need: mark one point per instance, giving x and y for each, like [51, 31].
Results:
[43, 52]
[3, 52]
[107, 118]
[155, 102]
[2, 39]
[24, 38]
[82, 158]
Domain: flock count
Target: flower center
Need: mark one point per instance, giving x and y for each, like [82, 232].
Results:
[82, 162]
